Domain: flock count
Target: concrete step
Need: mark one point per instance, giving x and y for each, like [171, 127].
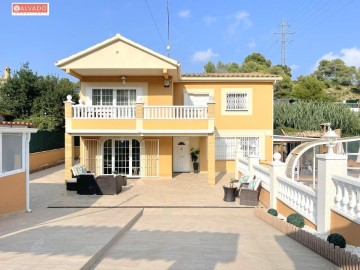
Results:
[75, 241]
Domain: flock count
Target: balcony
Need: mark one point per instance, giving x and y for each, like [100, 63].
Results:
[140, 119]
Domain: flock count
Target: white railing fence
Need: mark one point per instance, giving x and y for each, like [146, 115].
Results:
[263, 174]
[347, 198]
[298, 196]
[243, 165]
[103, 112]
[175, 112]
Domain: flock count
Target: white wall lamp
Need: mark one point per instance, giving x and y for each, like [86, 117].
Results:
[252, 149]
[123, 79]
[166, 83]
[330, 138]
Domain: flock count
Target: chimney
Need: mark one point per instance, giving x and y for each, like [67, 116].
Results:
[7, 73]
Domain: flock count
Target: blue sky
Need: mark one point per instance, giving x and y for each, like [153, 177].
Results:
[217, 30]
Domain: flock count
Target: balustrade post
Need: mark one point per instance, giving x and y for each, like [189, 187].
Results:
[277, 168]
[253, 160]
[69, 140]
[238, 154]
[139, 113]
[328, 165]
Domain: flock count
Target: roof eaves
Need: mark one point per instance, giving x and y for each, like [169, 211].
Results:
[106, 42]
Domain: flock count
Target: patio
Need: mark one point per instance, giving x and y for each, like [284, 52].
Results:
[144, 238]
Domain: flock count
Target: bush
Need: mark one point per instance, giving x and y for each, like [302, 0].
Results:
[296, 220]
[337, 240]
[273, 212]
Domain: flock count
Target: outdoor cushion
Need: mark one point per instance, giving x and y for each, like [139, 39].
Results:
[244, 179]
[74, 170]
[82, 169]
[252, 184]
[257, 183]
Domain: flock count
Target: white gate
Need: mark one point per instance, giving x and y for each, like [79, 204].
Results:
[149, 152]
[92, 155]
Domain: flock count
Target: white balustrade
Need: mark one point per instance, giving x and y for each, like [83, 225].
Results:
[299, 197]
[175, 112]
[347, 198]
[263, 174]
[243, 165]
[103, 112]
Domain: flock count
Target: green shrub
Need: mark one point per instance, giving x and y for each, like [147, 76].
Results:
[273, 212]
[337, 240]
[296, 220]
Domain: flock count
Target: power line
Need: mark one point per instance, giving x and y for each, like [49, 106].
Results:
[284, 39]
[162, 40]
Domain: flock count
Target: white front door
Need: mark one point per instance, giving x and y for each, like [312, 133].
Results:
[181, 154]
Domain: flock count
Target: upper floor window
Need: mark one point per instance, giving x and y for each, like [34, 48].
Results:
[126, 97]
[236, 101]
[110, 97]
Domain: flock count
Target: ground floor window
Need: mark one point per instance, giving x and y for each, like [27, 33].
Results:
[11, 152]
[226, 146]
[121, 157]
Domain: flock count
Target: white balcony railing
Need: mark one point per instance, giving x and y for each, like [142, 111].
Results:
[103, 112]
[175, 112]
[299, 197]
[263, 174]
[150, 112]
[347, 198]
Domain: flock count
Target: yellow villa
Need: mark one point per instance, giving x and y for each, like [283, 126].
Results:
[139, 116]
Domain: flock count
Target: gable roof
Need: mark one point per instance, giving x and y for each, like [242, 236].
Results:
[118, 56]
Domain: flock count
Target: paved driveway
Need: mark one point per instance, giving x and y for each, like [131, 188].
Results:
[162, 237]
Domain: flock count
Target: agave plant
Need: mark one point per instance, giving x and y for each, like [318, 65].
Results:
[308, 115]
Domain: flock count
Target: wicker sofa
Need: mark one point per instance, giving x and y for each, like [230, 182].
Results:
[86, 183]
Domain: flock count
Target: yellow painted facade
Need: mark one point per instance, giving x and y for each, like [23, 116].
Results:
[119, 65]
[12, 193]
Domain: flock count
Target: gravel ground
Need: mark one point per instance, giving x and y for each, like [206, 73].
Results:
[350, 248]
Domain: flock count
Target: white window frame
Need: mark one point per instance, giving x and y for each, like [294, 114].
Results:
[225, 147]
[22, 169]
[225, 92]
[238, 100]
[114, 95]
[87, 87]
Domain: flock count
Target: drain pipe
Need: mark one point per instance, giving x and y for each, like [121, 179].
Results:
[27, 173]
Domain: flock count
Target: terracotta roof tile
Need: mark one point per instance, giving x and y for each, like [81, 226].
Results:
[228, 75]
[24, 124]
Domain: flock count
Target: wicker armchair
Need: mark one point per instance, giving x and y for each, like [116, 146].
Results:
[248, 196]
[109, 184]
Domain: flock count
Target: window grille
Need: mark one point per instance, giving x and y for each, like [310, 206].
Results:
[236, 101]
[226, 146]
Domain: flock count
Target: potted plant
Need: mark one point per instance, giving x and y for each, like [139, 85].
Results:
[194, 153]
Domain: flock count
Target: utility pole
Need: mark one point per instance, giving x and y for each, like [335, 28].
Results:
[284, 39]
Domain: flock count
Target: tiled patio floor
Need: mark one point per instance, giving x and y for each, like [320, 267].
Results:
[161, 238]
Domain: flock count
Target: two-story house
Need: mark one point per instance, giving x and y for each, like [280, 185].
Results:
[140, 116]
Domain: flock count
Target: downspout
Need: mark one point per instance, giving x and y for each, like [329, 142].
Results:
[27, 173]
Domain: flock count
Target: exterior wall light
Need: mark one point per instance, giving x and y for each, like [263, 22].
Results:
[123, 79]
[330, 138]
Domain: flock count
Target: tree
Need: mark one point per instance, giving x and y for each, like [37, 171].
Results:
[283, 88]
[334, 72]
[37, 99]
[209, 67]
[309, 88]
[18, 92]
[259, 59]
